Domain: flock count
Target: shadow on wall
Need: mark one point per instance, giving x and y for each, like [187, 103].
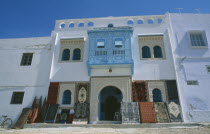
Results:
[162, 71]
[43, 67]
[184, 47]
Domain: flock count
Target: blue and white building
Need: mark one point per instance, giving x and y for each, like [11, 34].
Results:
[98, 60]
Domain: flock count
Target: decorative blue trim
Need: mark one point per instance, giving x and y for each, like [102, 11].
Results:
[110, 54]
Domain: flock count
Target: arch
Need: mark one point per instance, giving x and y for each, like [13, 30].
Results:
[66, 99]
[110, 98]
[81, 24]
[150, 21]
[110, 25]
[71, 25]
[66, 55]
[157, 52]
[140, 22]
[157, 96]
[130, 22]
[90, 24]
[146, 52]
[77, 54]
[160, 21]
[62, 25]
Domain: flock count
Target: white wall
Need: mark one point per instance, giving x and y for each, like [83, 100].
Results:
[152, 69]
[143, 69]
[33, 80]
[68, 71]
[190, 64]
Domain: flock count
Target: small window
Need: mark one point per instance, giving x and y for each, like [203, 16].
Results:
[208, 68]
[146, 52]
[140, 22]
[130, 22]
[150, 21]
[157, 96]
[71, 25]
[110, 25]
[101, 43]
[66, 99]
[17, 98]
[192, 82]
[26, 59]
[157, 52]
[77, 54]
[90, 24]
[118, 42]
[197, 39]
[160, 21]
[81, 24]
[62, 25]
[66, 55]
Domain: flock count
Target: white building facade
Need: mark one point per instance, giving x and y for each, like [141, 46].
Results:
[97, 63]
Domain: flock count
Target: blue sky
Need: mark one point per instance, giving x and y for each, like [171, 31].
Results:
[36, 18]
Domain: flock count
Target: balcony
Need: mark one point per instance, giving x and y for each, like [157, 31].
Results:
[110, 57]
[110, 49]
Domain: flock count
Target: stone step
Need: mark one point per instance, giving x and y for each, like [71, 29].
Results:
[143, 125]
[109, 122]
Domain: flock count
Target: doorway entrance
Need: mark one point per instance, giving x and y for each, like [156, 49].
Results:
[109, 104]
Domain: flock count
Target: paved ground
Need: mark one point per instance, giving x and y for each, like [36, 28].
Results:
[92, 130]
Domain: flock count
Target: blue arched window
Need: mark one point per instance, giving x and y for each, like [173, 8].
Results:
[62, 25]
[71, 25]
[77, 54]
[150, 21]
[66, 55]
[90, 24]
[66, 99]
[130, 22]
[157, 96]
[81, 24]
[160, 21]
[157, 52]
[140, 22]
[146, 52]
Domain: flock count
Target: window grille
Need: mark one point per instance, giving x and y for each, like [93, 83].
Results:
[197, 39]
[98, 53]
[192, 82]
[118, 52]
[26, 59]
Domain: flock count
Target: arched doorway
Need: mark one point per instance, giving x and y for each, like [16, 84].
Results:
[109, 103]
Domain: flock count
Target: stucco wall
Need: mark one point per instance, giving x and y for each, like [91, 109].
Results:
[150, 69]
[32, 80]
[190, 64]
[68, 71]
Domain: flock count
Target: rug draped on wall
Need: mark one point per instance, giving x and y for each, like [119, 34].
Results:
[130, 112]
[173, 102]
